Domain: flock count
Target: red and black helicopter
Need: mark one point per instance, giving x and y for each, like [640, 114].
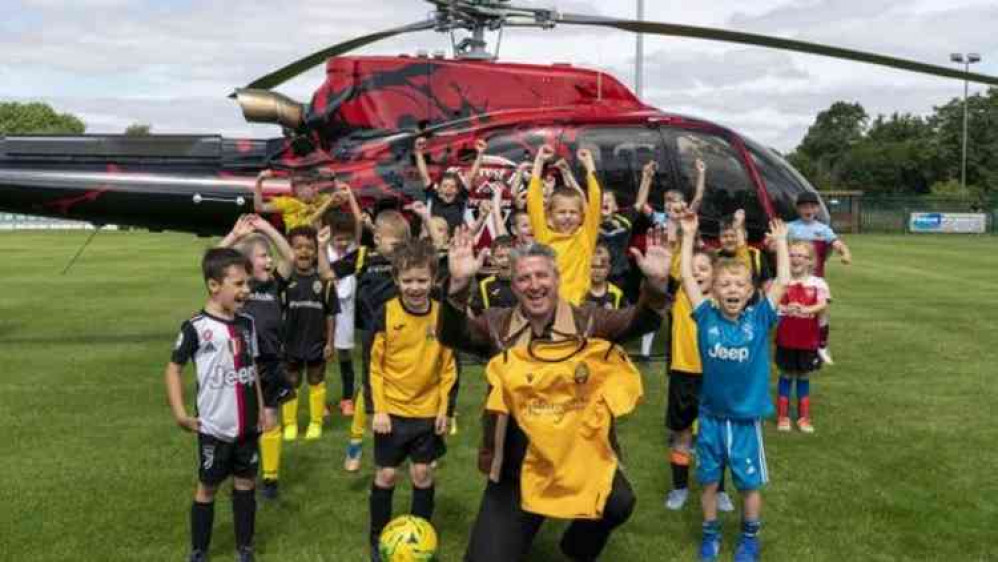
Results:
[362, 122]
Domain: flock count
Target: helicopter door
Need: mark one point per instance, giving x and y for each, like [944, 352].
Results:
[728, 184]
[620, 153]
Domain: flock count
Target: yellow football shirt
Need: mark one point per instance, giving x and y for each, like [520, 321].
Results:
[575, 249]
[564, 395]
[295, 212]
[411, 374]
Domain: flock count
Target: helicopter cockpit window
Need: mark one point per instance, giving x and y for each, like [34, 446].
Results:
[783, 183]
[728, 185]
[620, 153]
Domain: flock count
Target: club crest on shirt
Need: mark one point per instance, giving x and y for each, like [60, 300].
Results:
[317, 287]
[530, 378]
[581, 374]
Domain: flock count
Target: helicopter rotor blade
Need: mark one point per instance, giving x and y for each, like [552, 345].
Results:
[728, 36]
[302, 65]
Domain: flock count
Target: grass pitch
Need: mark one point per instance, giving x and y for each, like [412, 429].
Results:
[902, 466]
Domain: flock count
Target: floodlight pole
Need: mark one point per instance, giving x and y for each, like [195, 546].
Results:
[639, 52]
[966, 60]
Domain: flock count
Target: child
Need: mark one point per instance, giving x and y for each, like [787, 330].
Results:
[222, 343]
[602, 293]
[409, 391]
[449, 198]
[733, 339]
[254, 236]
[825, 240]
[345, 232]
[569, 223]
[520, 228]
[496, 290]
[618, 227]
[685, 372]
[305, 206]
[375, 287]
[732, 239]
[798, 334]
[310, 307]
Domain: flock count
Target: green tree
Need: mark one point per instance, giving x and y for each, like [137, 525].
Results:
[37, 119]
[138, 130]
[982, 139]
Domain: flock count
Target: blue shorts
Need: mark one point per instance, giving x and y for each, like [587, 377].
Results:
[736, 444]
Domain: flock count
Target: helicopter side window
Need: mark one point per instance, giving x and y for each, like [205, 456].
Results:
[728, 185]
[783, 183]
[620, 153]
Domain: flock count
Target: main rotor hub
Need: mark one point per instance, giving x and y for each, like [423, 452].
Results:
[479, 16]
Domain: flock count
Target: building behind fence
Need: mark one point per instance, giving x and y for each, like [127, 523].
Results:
[856, 212]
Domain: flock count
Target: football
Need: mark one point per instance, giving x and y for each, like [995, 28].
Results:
[408, 539]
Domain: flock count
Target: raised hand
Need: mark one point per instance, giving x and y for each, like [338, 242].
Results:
[545, 153]
[419, 208]
[462, 262]
[689, 223]
[778, 229]
[649, 169]
[324, 236]
[739, 218]
[265, 174]
[700, 166]
[481, 145]
[656, 261]
[420, 144]
[586, 157]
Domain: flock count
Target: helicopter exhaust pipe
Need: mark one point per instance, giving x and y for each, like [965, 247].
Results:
[265, 106]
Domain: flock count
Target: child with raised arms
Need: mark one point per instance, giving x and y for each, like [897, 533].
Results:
[568, 222]
[448, 198]
[409, 389]
[254, 237]
[304, 207]
[229, 417]
[734, 345]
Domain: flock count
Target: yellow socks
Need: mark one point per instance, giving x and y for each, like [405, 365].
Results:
[270, 453]
[289, 415]
[359, 423]
[316, 406]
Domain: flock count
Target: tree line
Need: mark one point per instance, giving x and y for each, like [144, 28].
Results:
[903, 154]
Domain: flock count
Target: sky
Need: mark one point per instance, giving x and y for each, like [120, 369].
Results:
[172, 63]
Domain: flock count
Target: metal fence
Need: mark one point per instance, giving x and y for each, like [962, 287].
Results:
[891, 214]
[13, 221]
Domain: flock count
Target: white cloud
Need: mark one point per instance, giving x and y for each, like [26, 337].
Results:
[171, 64]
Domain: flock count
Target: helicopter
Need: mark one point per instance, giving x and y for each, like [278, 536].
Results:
[362, 122]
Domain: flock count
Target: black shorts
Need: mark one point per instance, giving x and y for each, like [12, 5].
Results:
[274, 382]
[298, 364]
[797, 361]
[684, 400]
[220, 459]
[410, 438]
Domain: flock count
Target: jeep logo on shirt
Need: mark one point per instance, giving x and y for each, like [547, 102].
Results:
[740, 354]
[221, 377]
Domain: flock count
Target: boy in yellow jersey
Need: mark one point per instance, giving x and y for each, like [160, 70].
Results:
[375, 287]
[305, 206]
[685, 379]
[568, 222]
[733, 241]
[409, 391]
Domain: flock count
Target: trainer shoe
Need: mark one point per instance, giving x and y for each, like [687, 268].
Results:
[783, 424]
[676, 499]
[724, 502]
[245, 554]
[346, 408]
[804, 424]
[826, 356]
[269, 489]
[291, 432]
[198, 556]
[352, 462]
[313, 432]
[747, 549]
[710, 548]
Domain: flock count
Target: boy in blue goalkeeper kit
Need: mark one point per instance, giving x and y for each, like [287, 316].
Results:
[733, 338]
